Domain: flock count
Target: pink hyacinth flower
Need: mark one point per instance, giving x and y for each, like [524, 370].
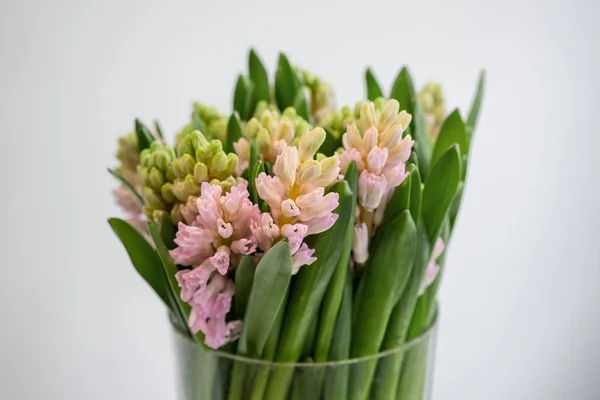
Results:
[371, 189]
[302, 257]
[432, 269]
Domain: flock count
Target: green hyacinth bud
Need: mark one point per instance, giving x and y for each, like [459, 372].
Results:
[152, 199]
[218, 165]
[127, 152]
[156, 178]
[201, 172]
[167, 194]
[252, 128]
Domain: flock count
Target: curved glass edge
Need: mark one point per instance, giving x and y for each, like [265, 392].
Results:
[421, 339]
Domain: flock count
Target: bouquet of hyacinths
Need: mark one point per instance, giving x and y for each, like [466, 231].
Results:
[291, 233]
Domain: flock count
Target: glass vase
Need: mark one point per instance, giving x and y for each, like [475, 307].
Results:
[402, 373]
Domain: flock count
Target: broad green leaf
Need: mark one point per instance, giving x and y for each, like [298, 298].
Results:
[144, 136]
[302, 104]
[475, 106]
[234, 132]
[244, 277]
[388, 370]
[333, 296]
[439, 191]
[271, 281]
[128, 185]
[259, 77]
[336, 379]
[403, 90]
[159, 130]
[242, 97]
[451, 132]
[386, 274]
[262, 374]
[331, 143]
[198, 123]
[143, 257]
[170, 269]
[286, 83]
[309, 287]
[373, 89]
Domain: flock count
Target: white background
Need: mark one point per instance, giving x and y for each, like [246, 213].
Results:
[519, 301]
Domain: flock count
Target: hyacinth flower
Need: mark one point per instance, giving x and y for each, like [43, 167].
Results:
[272, 132]
[216, 239]
[170, 177]
[433, 102]
[377, 146]
[296, 197]
[432, 268]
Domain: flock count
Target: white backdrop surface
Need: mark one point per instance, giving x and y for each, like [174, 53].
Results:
[519, 301]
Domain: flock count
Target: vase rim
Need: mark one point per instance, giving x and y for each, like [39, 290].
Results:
[274, 364]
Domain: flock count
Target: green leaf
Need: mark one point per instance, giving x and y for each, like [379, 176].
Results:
[259, 76]
[403, 90]
[259, 167]
[331, 143]
[302, 104]
[159, 130]
[335, 291]
[143, 257]
[416, 193]
[336, 379]
[128, 185]
[451, 132]
[309, 287]
[422, 143]
[475, 106]
[234, 132]
[167, 230]
[244, 277]
[242, 97]
[287, 83]
[373, 89]
[271, 282]
[170, 269]
[388, 370]
[144, 136]
[198, 123]
[455, 206]
[439, 191]
[399, 202]
[386, 274]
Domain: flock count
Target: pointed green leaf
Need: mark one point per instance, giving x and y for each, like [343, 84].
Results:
[142, 256]
[128, 185]
[373, 89]
[242, 97]
[302, 104]
[403, 90]
[159, 130]
[144, 136]
[259, 76]
[451, 132]
[244, 277]
[259, 167]
[455, 206]
[475, 106]
[286, 83]
[269, 288]
[234, 132]
[439, 191]
[416, 193]
[170, 269]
